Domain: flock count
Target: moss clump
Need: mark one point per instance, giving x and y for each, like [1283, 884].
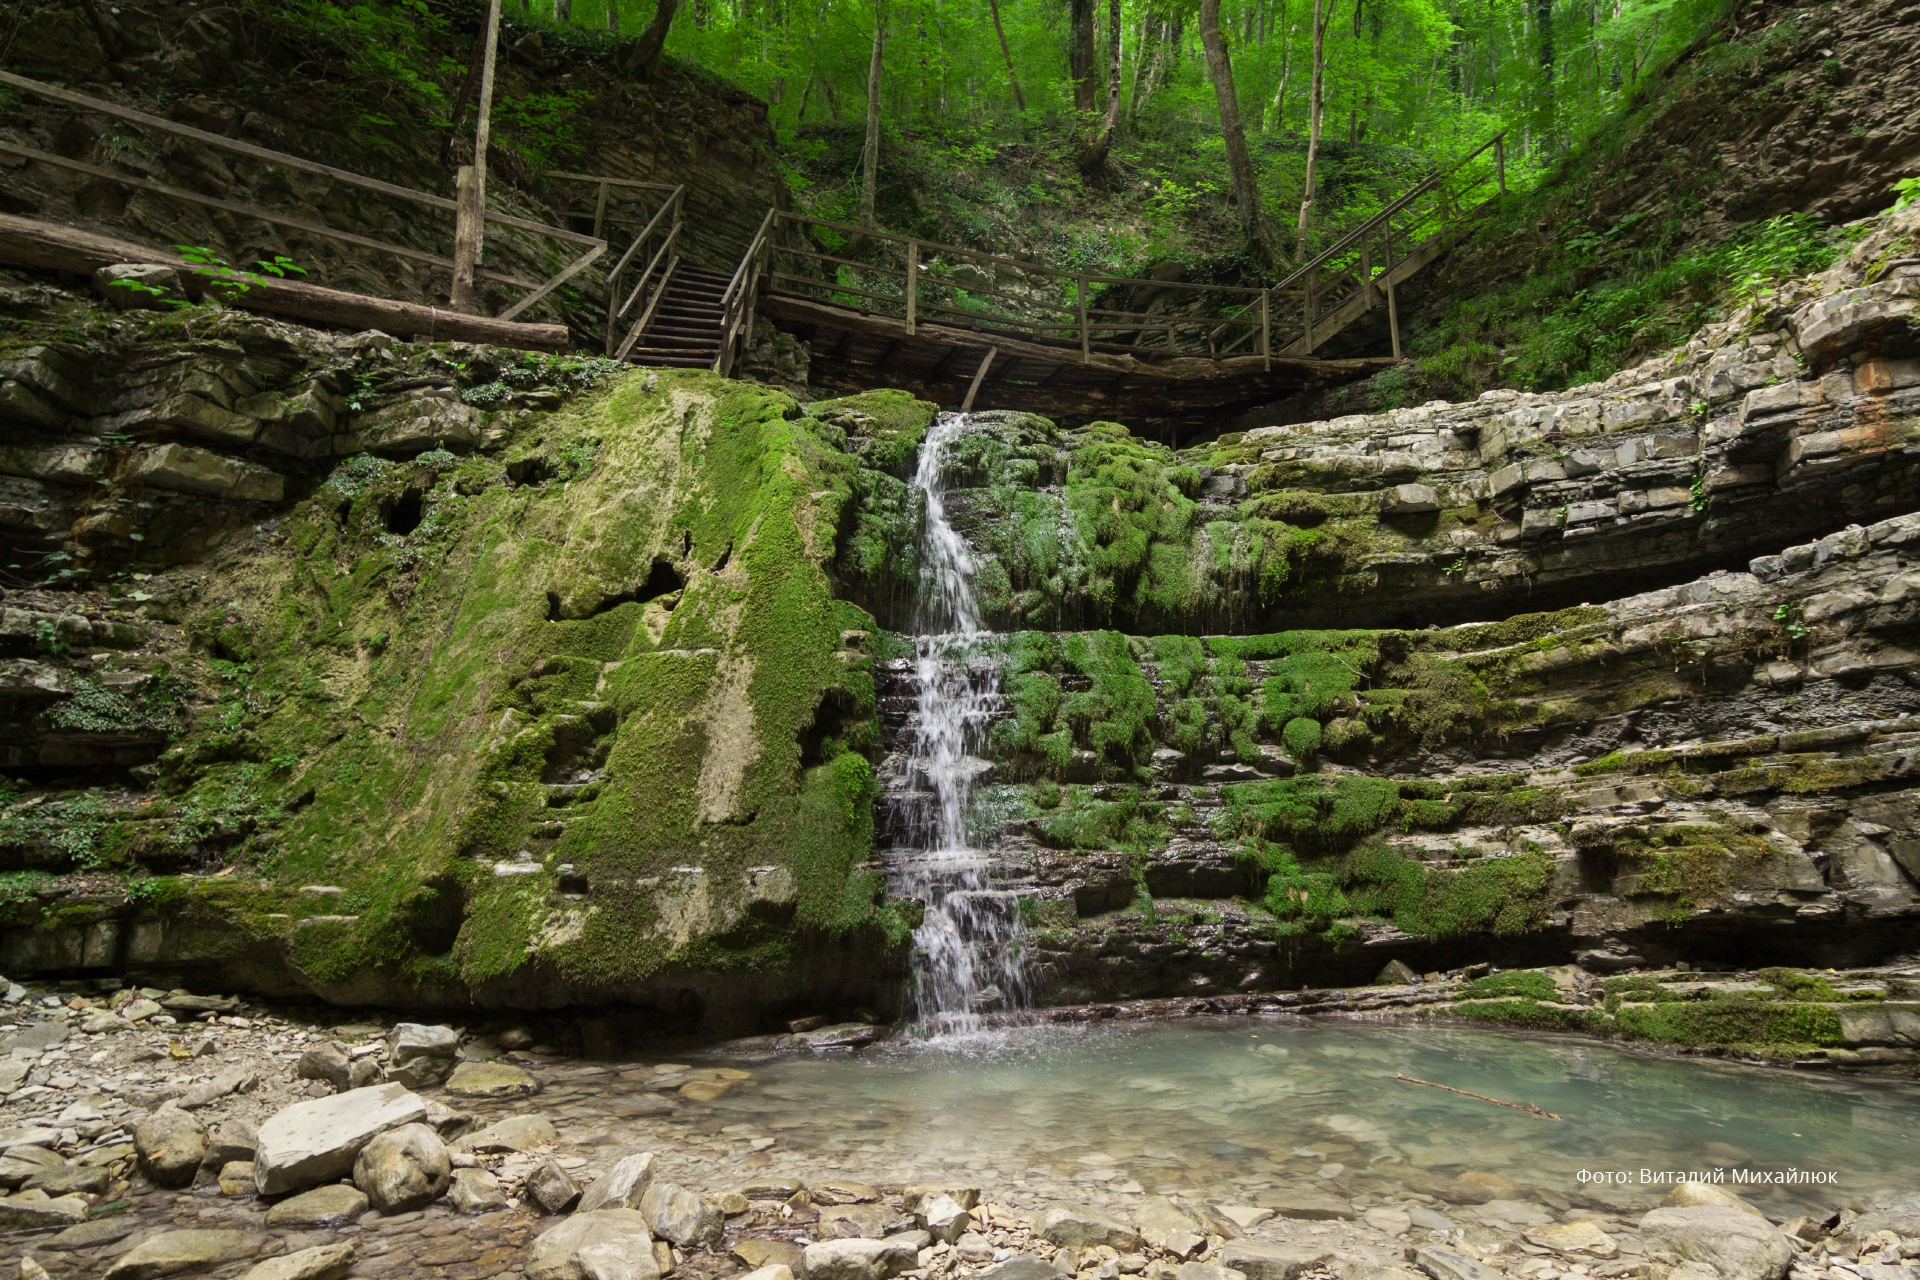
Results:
[1311, 814]
[1109, 712]
[1531, 1013]
[1302, 737]
[1118, 818]
[1523, 983]
[1731, 1022]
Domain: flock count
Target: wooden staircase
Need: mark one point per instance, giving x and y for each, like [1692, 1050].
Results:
[683, 330]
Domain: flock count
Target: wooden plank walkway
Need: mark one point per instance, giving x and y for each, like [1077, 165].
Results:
[964, 326]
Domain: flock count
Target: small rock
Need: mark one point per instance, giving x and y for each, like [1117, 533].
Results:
[365, 1071]
[858, 1260]
[237, 1081]
[232, 1140]
[515, 1133]
[475, 1191]
[69, 1180]
[516, 1038]
[104, 1024]
[1395, 1222]
[326, 1262]
[1574, 1237]
[333, 1205]
[31, 1270]
[140, 1010]
[172, 1145]
[772, 1271]
[406, 1168]
[551, 1188]
[91, 1235]
[911, 1197]
[1158, 1220]
[1077, 1226]
[757, 1254]
[1026, 1266]
[943, 1219]
[1262, 1261]
[1396, 974]
[173, 1252]
[1243, 1216]
[236, 1178]
[1310, 1206]
[1202, 1271]
[838, 1192]
[622, 1186]
[491, 1080]
[1447, 1264]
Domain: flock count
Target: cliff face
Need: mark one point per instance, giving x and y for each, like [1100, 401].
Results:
[424, 673]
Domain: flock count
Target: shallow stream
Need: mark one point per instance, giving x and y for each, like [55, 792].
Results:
[1228, 1109]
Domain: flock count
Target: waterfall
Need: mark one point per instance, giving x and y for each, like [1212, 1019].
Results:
[966, 951]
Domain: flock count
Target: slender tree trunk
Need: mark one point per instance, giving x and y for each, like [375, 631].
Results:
[563, 12]
[1006, 51]
[654, 39]
[1316, 106]
[1139, 57]
[613, 16]
[1275, 115]
[870, 153]
[104, 28]
[1253, 216]
[1094, 158]
[1543, 15]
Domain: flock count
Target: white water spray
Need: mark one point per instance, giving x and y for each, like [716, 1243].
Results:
[967, 948]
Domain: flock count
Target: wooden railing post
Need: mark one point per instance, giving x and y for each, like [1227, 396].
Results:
[1366, 273]
[913, 281]
[1086, 338]
[1266, 329]
[470, 218]
[1307, 311]
[600, 210]
[1393, 318]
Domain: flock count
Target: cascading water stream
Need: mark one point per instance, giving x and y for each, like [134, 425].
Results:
[966, 950]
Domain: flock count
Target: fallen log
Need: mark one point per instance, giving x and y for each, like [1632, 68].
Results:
[27, 242]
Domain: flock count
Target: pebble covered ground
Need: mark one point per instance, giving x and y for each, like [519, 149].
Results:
[101, 1085]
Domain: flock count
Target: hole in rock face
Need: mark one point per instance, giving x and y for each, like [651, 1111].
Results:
[404, 516]
[686, 547]
[434, 915]
[534, 470]
[553, 606]
[662, 579]
[833, 718]
[725, 556]
[575, 884]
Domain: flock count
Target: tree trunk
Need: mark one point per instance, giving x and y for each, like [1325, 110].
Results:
[104, 29]
[870, 153]
[613, 16]
[1253, 216]
[563, 12]
[1543, 15]
[1013, 77]
[1316, 105]
[654, 39]
[1094, 158]
[1082, 60]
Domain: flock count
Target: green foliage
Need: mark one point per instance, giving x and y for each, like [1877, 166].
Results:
[1906, 193]
[93, 708]
[1310, 813]
[1118, 818]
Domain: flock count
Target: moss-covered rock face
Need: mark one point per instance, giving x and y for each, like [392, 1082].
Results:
[579, 722]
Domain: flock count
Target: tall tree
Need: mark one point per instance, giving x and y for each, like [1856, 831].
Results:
[654, 39]
[1246, 192]
[870, 153]
[1013, 77]
[1316, 108]
[1543, 17]
[1082, 60]
[1093, 157]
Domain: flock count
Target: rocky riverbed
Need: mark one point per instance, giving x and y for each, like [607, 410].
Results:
[150, 1133]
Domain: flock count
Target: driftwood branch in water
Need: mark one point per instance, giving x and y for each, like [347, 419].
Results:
[1517, 1106]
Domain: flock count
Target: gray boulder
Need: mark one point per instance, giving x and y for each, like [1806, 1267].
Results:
[1027, 1266]
[314, 1142]
[333, 1205]
[172, 1145]
[29, 1212]
[1079, 1226]
[943, 1219]
[328, 1062]
[140, 286]
[679, 1215]
[622, 1186]
[555, 1254]
[231, 1140]
[173, 1252]
[186, 469]
[1737, 1245]
[419, 1055]
[402, 1169]
[475, 1191]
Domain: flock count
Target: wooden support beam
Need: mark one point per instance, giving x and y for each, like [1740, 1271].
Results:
[966, 406]
[470, 218]
[52, 246]
[1393, 319]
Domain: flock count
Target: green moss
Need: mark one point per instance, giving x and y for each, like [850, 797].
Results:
[1302, 737]
[883, 428]
[1728, 1023]
[1311, 813]
[1117, 818]
[1529, 1013]
[1522, 982]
